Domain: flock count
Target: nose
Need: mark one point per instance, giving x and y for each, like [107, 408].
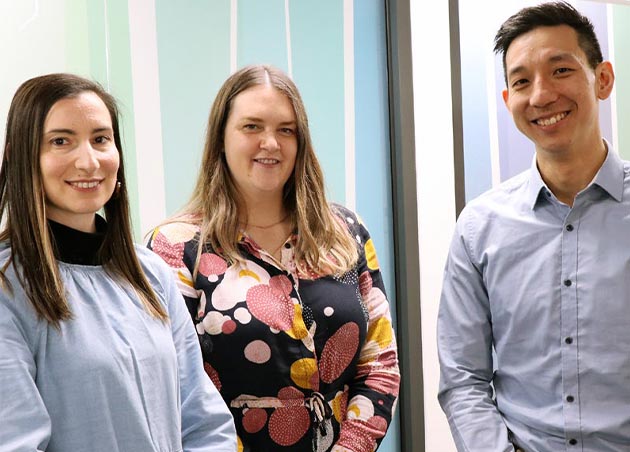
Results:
[87, 159]
[269, 141]
[543, 93]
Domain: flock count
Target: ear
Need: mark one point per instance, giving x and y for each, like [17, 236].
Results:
[604, 79]
[505, 95]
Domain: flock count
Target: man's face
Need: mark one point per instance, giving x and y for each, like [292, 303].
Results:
[552, 92]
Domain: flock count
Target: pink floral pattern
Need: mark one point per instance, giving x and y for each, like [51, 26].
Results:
[304, 363]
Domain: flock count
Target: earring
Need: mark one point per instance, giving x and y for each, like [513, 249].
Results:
[117, 189]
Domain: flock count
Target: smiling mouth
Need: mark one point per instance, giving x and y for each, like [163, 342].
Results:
[551, 121]
[267, 161]
[90, 184]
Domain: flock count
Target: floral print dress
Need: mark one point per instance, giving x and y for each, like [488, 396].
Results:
[303, 362]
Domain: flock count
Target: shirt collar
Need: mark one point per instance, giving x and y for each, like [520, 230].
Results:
[537, 186]
[610, 177]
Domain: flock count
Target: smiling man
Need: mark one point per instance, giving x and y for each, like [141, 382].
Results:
[534, 320]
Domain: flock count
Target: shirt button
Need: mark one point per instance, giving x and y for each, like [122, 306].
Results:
[570, 399]
[287, 245]
[573, 441]
[569, 227]
[567, 282]
[568, 340]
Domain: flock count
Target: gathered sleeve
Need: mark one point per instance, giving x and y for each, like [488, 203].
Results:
[464, 333]
[25, 422]
[373, 394]
[207, 424]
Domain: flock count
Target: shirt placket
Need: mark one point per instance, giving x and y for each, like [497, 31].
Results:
[570, 329]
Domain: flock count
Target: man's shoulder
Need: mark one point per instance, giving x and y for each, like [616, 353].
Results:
[509, 193]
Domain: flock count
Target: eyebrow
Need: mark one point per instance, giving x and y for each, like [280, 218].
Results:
[72, 132]
[564, 56]
[255, 119]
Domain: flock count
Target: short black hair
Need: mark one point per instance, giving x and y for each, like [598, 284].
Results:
[549, 15]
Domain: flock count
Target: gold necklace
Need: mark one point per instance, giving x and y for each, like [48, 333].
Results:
[247, 225]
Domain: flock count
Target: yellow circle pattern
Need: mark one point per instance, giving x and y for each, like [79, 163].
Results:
[370, 255]
[302, 372]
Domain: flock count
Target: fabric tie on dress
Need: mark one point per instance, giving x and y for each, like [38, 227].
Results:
[320, 411]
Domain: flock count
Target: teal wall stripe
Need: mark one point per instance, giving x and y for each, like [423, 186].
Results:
[77, 50]
[194, 60]
[96, 41]
[261, 33]
[372, 148]
[318, 68]
[621, 20]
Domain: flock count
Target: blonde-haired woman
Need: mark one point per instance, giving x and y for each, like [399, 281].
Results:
[284, 288]
[97, 352]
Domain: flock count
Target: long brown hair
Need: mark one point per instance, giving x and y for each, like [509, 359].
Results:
[324, 245]
[23, 208]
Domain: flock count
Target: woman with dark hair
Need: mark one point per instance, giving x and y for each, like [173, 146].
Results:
[284, 288]
[97, 352]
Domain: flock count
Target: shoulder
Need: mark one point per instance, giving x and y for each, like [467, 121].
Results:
[16, 310]
[176, 232]
[170, 241]
[151, 263]
[350, 218]
[508, 195]
[5, 253]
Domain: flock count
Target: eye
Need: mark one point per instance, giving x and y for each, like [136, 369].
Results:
[103, 139]
[563, 70]
[58, 141]
[288, 131]
[519, 83]
[250, 127]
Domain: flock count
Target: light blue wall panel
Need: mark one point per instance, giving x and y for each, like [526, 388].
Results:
[318, 68]
[372, 148]
[262, 33]
[194, 60]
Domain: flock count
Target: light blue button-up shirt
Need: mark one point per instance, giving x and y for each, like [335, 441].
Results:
[536, 304]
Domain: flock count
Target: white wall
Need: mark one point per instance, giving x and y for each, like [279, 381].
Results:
[436, 195]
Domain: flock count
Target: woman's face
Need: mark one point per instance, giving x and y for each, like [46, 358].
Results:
[78, 160]
[261, 142]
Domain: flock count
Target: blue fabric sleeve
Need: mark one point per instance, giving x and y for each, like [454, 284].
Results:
[207, 424]
[465, 351]
[25, 423]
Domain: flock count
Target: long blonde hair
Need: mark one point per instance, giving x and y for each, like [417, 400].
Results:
[324, 245]
[22, 203]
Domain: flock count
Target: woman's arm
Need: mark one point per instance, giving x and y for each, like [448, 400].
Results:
[374, 391]
[207, 423]
[25, 423]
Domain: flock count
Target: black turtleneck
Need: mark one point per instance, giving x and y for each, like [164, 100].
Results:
[77, 247]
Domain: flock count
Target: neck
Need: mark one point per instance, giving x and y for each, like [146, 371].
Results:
[263, 212]
[568, 174]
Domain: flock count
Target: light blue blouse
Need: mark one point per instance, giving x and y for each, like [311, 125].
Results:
[113, 378]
